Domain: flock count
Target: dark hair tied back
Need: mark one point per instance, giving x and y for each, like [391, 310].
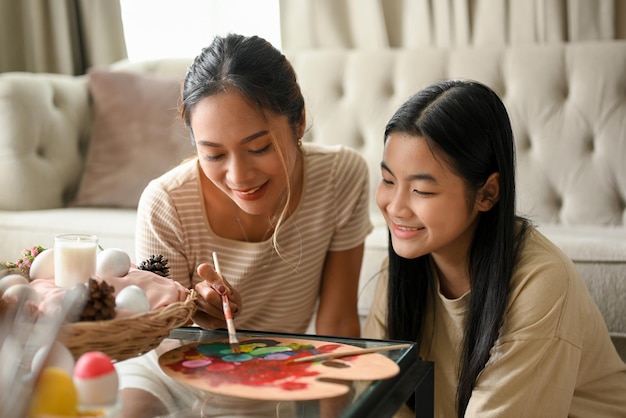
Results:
[252, 67]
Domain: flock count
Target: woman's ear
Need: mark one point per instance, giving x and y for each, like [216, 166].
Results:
[489, 194]
[302, 125]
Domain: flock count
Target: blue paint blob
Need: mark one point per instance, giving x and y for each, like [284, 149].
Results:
[237, 357]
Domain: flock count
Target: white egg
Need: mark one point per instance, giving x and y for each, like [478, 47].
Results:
[58, 356]
[42, 266]
[132, 298]
[10, 280]
[112, 262]
[23, 293]
[96, 391]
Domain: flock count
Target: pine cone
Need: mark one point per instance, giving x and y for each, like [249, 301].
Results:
[100, 304]
[156, 264]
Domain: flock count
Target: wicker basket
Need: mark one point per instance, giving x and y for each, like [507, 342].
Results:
[127, 337]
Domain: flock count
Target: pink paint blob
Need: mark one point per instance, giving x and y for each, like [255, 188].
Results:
[192, 364]
[277, 356]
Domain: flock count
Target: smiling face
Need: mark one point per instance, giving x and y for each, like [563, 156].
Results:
[424, 202]
[244, 153]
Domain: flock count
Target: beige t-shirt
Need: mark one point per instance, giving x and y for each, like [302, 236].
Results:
[554, 356]
[279, 292]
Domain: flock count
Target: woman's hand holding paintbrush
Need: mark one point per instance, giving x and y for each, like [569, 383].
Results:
[232, 333]
[210, 313]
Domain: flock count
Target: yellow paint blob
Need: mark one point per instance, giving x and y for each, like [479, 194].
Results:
[54, 394]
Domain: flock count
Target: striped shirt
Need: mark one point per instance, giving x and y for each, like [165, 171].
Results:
[279, 290]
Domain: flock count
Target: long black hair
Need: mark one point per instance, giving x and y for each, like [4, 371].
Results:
[467, 124]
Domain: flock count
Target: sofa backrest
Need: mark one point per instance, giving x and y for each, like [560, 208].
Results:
[567, 103]
[45, 122]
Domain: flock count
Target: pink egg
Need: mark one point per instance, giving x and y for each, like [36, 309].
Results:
[95, 379]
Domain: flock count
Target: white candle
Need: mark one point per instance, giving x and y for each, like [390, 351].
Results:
[74, 259]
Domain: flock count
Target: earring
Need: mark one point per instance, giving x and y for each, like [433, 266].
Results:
[299, 142]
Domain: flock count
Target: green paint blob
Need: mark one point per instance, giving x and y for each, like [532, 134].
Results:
[213, 348]
[267, 350]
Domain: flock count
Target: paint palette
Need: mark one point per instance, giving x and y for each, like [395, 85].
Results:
[265, 369]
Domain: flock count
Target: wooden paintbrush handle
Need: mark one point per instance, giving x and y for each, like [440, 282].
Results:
[336, 354]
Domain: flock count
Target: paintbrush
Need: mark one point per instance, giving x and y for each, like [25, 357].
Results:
[230, 324]
[336, 354]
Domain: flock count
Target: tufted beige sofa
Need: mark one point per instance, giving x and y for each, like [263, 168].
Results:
[567, 104]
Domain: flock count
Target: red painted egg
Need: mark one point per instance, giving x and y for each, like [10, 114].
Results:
[95, 379]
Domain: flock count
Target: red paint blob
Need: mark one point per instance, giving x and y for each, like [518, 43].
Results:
[293, 386]
[219, 367]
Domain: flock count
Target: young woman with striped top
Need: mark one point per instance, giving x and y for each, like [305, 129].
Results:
[287, 219]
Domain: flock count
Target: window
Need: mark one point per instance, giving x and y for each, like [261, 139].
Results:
[181, 28]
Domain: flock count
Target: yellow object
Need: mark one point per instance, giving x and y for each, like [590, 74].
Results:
[54, 394]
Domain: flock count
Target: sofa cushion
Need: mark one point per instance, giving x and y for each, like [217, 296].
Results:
[114, 228]
[137, 135]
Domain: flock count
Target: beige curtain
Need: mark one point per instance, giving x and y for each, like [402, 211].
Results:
[60, 36]
[413, 23]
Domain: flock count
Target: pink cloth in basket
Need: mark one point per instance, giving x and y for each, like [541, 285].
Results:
[160, 291]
